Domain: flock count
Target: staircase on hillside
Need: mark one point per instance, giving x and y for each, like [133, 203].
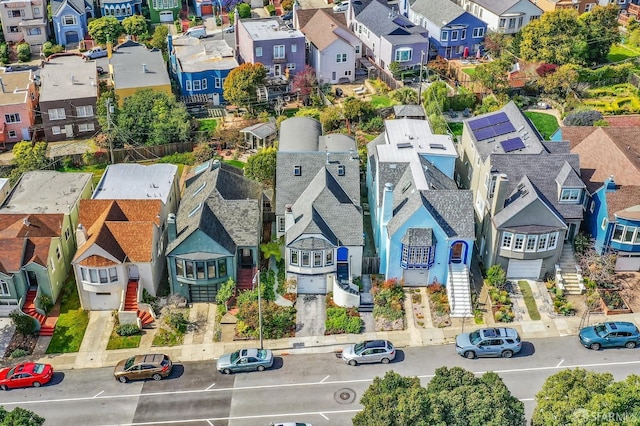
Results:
[459, 292]
[29, 308]
[131, 304]
[569, 272]
[245, 279]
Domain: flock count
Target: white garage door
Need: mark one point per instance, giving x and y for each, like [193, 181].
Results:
[524, 268]
[628, 263]
[104, 301]
[312, 284]
[416, 277]
[166, 16]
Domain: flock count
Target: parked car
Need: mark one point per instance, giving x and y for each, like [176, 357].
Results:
[230, 29]
[290, 424]
[369, 351]
[139, 367]
[17, 68]
[610, 334]
[486, 342]
[341, 7]
[25, 375]
[245, 360]
[95, 53]
[197, 32]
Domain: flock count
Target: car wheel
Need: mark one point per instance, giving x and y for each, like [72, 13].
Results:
[595, 346]
[507, 354]
[353, 362]
[4, 387]
[385, 360]
[470, 354]
[630, 345]
[156, 377]
[123, 379]
[37, 384]
[261, 368]
[226, 371]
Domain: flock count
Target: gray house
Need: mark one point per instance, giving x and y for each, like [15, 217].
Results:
[216, 233]
[318, 208]
[68, 95]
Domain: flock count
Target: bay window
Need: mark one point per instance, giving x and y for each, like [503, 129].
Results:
[519, 242]
[506, 240]
[99, 275]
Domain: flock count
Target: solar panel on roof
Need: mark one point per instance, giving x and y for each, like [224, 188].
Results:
[478, 124]
[503, 128]
[484, 133]
[512, 144]
[498, 118]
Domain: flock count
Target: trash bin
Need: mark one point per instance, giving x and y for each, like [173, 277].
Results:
[338, 92]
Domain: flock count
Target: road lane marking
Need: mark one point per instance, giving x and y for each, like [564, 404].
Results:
[325, 417]
[560, 363]
[322, 381]
[209, 421]
[98, 394]
[285, 385]
[212, 385]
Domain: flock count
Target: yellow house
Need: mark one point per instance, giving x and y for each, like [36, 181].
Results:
[133, 67]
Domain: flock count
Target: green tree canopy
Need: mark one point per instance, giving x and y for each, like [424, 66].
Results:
[405, 95]
[601, 31]
[355, 109]
[104, 29]
[28, 156]
[494, 74]
[19, 417]
[159, 38]
[261, 166]
[241, 83]
[135, 25]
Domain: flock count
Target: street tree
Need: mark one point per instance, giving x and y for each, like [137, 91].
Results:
[19, 417]
[104, 29]
[28, 156]
[135, 25]
[261, 166]
[159, 37]
[242, 82]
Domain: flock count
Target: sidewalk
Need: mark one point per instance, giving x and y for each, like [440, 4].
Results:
[198, 343]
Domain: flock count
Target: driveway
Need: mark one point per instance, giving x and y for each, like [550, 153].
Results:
[311, 315]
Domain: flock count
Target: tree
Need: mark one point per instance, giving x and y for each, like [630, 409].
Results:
[394, 69]
[356, 110]
[242, 82]
[24, 52]
[24, 324]
[331, 118]
[494, 74]
[305, 82]
[104, 29]
[151, 118]
[261, 166]
[601, 31]
[28, 156]
[135, 25]
[19, 417]
[405, 95]
[553, 38]
[560, 82]
[435, 97]
[159, 38]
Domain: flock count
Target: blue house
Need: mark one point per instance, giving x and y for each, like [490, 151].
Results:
[423, 225]
[120, 9]
[70, 20]
[611, 173]
[453, 32]
[200, 67]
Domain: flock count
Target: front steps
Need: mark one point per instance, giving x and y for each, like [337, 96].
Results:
[571, 279]
[47, 325]
[459, 292]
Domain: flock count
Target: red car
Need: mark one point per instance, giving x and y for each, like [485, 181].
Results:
[24, 375]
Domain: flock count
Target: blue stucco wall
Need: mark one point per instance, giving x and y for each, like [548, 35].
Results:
[465, 19]
[80, 27]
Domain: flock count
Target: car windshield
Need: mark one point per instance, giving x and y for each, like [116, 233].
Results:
[262, 354]
[474, 337]
[359, 347]
[10, 373]
[234, 356]
[129, 363]
[600, 330]
[38, 368]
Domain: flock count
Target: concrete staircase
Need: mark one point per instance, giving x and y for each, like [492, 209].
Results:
[571, 278]
[459, 292]
[131, 304]
[29, 308]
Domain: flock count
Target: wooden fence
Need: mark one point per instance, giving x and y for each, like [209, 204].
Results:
[129, 154]
[370, 265]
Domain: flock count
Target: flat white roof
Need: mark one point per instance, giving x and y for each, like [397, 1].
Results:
[136, 182]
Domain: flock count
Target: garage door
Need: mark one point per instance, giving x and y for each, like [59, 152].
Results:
[524, 268]
[72, 37]
[416, 277]
[166, 16]
[104, 301]
[312, 284]
[202, 293]
[628, 263]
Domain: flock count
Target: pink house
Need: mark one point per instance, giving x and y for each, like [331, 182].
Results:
[18, 98]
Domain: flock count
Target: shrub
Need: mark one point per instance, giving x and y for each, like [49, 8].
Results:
[128, 330]
[178, 322]
[49, 49]
[582, 118]
[504, 314]
[46, 303]
[496, 276]
[25, 325]
[19, 353]
[185, 158]
[544, 69]
[4, 53]
[375, 124]
[24, 52]
[286, 5]
[342, 320]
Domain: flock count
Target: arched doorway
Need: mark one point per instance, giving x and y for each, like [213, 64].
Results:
[458, 252]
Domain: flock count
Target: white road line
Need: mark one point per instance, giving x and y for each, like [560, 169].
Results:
[212, 385]
[325, 417]
[560, 363]
[98, 394]
[285, 385]
[322, 381]
[210, 422]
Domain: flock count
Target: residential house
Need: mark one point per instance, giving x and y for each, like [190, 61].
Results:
[527, 194]
[120, 9]
[387, 35]
[270, 42]
[68, 96]
[259, 135]
[409, 111]
[133, 67]
[506, 16]
[200, 67]
[333, 48]
[609, 158]
[24, 20]
[581, 6]
[37, 222]
[423, 225]
[18, 101]
[318, 209]
[629, 13]
[164, 11]
[70, 19]
[453, 32]
[216, 234]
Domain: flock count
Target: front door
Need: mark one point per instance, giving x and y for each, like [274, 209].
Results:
[571, 232]
[33, 280]
[69, 130]
[133, 272]
[457, 253]
[277, 70]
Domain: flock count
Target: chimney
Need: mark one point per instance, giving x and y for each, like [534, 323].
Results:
[610, 184]
[499, 194]
[171, 227]
[81, 235]
[144, 68]
[289, 220]
[26, 222]
[296, 6]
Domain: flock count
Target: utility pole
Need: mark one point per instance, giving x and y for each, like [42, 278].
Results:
[420, 81]
[109, 112]
[256, 278]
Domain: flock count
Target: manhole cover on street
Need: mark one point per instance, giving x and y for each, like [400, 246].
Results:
[345, 396]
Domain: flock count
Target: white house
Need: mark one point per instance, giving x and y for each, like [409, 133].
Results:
[505, 16]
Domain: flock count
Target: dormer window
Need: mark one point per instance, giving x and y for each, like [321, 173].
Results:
[570, 195]
[297, 170]
[340, 170]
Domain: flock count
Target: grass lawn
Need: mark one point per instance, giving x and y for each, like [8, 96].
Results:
[546, 124]
[96, 169]
[529, 301]
[456, 128]
[471, 72]
[123, 342]
[381, 101]
[235, 163]
[72, 322]
[620, 52]
[208, 124]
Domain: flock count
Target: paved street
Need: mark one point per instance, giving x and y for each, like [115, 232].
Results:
[317, 388]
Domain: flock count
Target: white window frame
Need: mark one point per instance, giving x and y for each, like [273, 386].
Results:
[454, 35]
[57, 114]
[507, 240]
[542, 242]
[217, 83]
[294, 254]
[341, 57]
[12, 118]
[592, 207]
[518, 242]
[84, 111]
[69, 20]
[294, 48]
[400, 54]
[4, 288]
[306, 254]
[444, 36]
[463, 34]
[197, 86]
[478, 32]
[187, 85]
[570, 195]
[13, 134]
[204, 84]
[328, 258]
[532, 243]
[259, 51]
[553, 241]
[56, 130]
[281, 224]
[627, 230]
[279, 51]
[86, 127]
